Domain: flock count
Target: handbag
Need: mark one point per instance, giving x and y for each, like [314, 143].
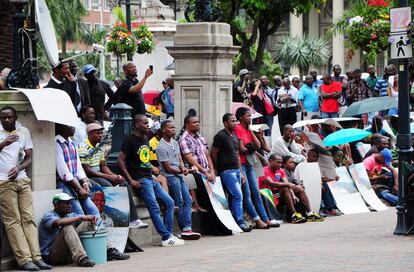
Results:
[268, 106]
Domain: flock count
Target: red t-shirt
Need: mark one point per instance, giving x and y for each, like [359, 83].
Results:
[245, 136]
[276, 176]
[372, 166]
[330, 105]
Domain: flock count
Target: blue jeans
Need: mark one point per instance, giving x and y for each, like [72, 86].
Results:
[390, 198]
[149, 191]
[232, 182]
[79, 206]
[325, 115]
[327, 197]
[251, 195]
[181, 195]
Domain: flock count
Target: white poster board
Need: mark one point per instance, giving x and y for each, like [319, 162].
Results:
[220, 204]
[117, 237]
[347, 197]
[360, 176]
[310, 174]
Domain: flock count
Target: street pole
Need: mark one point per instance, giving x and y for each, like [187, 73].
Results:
[404, 226]
[128, 17]
[102, 55]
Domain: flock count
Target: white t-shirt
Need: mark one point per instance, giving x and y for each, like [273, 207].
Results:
[13, 154]
[293, 92]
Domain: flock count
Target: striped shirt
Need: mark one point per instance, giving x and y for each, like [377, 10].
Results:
[68, 164]
[196, 145]
[91, 155]
[381, 87]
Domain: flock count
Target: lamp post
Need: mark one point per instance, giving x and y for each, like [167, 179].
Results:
[404, 222]
[102, 55]
[18, 20]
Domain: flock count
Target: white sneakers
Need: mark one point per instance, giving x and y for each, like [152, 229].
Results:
[172, 241]
[138, 224]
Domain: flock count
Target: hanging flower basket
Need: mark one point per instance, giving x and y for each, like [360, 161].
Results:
[120, 41]
[369, 32]
[145, 41]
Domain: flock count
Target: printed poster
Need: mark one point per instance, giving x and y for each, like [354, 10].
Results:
[360, 176]
[220, 204]
[347, 197]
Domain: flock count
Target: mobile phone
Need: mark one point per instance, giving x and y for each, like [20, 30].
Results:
[151, 68]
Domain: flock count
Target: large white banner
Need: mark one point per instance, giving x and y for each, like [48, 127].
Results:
[360, 176]
[347, 197]
[310, 174]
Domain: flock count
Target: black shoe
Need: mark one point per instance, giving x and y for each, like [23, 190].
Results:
[276, 225]
[29, 266]
[115, 254]
[246, 229]
[86, 262]
[42, 265]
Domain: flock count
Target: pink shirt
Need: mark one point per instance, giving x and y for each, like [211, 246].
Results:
[372, 165]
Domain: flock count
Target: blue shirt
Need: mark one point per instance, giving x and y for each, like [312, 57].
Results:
[381, 87]
[48, 233]
[316, 84]
[168, 98]
[309, 97]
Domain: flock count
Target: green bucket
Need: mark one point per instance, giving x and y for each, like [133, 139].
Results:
[95, 245]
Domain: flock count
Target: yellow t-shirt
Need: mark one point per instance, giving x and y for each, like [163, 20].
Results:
[153, 145]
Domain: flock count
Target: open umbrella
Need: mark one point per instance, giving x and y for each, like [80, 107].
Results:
[236, 105]
[344, 136]
[150, 95]
[372, 104]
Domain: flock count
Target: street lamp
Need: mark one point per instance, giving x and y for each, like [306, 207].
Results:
[18, 20]
[102, 55]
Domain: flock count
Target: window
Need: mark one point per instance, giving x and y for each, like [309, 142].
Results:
[87, 4]
[87, 26]
[95, 4]
[97, 26]
[105, 5]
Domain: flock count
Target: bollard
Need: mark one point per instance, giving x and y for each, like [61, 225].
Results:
[122, 127]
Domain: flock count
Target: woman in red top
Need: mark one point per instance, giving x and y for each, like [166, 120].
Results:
[251, 194]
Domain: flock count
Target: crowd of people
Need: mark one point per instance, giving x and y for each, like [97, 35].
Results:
[167, 169]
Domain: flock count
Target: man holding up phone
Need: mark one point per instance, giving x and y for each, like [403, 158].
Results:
[130, 91]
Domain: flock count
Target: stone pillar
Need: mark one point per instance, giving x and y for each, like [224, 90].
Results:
[295, 30]
[338, 48]
[43, 168]
[203, 54]
[313, 24]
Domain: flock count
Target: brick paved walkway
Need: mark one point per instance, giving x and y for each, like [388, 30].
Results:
[362, 242]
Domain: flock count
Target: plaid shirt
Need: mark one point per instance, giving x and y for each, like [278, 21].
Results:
[361, 89]
[196, 145]
[68, 164]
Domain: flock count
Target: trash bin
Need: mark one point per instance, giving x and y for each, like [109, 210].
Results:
[95, 245]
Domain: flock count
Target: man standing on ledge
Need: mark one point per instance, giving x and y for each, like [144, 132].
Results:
[15, 194]
[130, 91]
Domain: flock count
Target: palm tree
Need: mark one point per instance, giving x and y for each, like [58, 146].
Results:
[67, 17]
[303, 53]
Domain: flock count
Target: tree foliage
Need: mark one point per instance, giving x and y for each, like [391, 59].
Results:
[303, 53]
[253, 21]
[67, 18]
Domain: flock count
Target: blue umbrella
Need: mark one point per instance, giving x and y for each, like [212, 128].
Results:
[344, 136]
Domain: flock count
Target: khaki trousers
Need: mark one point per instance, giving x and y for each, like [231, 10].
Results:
[17, 210]
[67, 247]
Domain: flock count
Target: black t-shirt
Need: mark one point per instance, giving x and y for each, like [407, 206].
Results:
[228, 155]
[137, 153]
[237, 96]
[135, 100]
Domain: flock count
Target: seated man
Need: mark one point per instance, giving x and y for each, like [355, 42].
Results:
[383, 176]
[92, 157]
[289, 167]
[169, 157]
[285, 145]
[59, 240]
[275, 179]
[134, 162]
[71, 178]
